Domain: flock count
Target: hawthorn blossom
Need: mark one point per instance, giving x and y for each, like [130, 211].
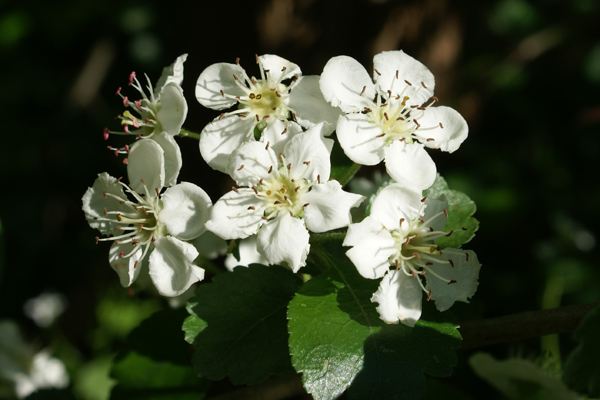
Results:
[397, 242]
[282, 196]
[24, 370]
[151, 228]
[260, 102]
[391, 118]
[158, 115]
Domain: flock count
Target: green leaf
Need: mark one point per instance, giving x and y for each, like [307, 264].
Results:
[193, 324]
[460, 211]
[582, 370]
[142, 378]
[338, 341]
[244, 335]
[342, 168]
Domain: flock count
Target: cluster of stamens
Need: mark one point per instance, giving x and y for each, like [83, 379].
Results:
[139, 226]
[142, 125]
[265, 99]
[280, 192]
[416, 251]
[397, 117]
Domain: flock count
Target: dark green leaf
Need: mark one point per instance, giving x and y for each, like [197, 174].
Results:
[582, 369]
[244, 335]
[338, 340]
[142, 378]
[460, 211]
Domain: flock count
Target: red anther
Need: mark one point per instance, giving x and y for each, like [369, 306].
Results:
[463, 228]
[451, 263]
[400, 119]
[382, 135]
[413, 273]
[117, 228]
[429, 296]
[121, 254]
[377, 72]
[284, 131]
[253, 80]
[237, 60]
[260, 181]
[417, 255]
[421, 220]
[126, 129]
[451, 282]
[294, 117]
[138, 104]
[240, 168]
[277, 202]
[291, 214]
[104, 193]
[255, 189]
[135, 264]
[441, 126]
[242, 115]
[143, 181]
[396, 74]
[131, 77]
[423, 199]
[422, 272]
[134, 242]
[272, 89]
[119, 217]
[265, 218]
[306, 162]
[222, 92]
[467, 254]
[105, 133]
[389, 92]
[267, 146]
[280, 155]
[386, 116]
[251, 208]
[157, 192]
[257, 118]
[221, 116]
[319, 179]
[118, 92]
[428, 263]
[97, 239]
[396, 261]
[408, 83]
[127, 148]
[305, 205]
[105, 212]
[266, 116]
[430, 139]
[430, 229]
[363, 90]
[270, 169]
[256, 58]
[417, 123]
[296, 188]
[234, 189]
[144, 210]
[423, 83]
[367, 109]
[135, 123]
[285, 198]
[119, 179]
[446, 213]
[277, 94]
[283, 69]
[289, 166]
[125, 101]
[401, 221]
[235, 77]
[140, 227]
[450, 233]
[267, 71]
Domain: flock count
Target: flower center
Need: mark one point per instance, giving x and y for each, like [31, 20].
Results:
[282, 193]
[265, 101]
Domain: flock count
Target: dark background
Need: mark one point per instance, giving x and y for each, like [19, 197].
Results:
[525, 75]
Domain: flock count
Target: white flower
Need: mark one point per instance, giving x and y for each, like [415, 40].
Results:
[45, 308]
[150, 227]
[158, 115]
[260, 102]
[25, 370]
[286, 194]
[397, 241]
[399, 123]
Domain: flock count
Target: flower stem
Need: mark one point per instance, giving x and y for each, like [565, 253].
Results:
[193, 135]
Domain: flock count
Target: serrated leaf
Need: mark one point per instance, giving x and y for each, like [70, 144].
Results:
[460, 211]
[142, 378]
[338, 341]
[582, 370]
[245, 337]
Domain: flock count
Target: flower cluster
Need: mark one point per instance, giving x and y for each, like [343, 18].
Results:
[272, 140]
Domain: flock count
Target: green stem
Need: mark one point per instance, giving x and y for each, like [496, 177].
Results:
[186, 133]
[349, 174]
[316, 238]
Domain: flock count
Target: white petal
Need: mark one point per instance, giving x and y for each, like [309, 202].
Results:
[308, 147]
[395, 202]
[248, 255]
[171, 74]
[276, 65]
[94, 203]
[464, 272]
[186, 208]
[342, 81]
[221, 137]
[359, 139]
[373, 246]
[278, 133]
[284, 240]
[170, 266]
[310, 105]
[434, 213]
[172, 154]
[399, 297]
[231, 217]
[329, 207]
[454, 131]
[410, 164]
[173, 109]
[250, 162]
[215, 78]
[146, 161]
[409, 69]
[128, 268]
[209, 245]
